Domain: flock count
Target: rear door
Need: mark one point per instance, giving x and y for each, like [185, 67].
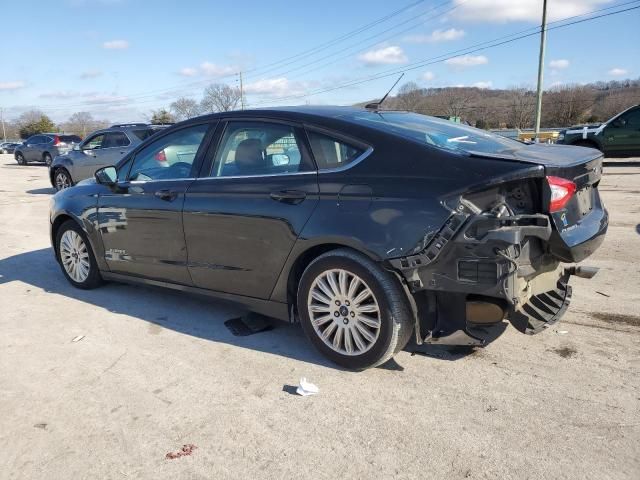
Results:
[140, 220]
[242, 218]
[116, 145]
[30, 149]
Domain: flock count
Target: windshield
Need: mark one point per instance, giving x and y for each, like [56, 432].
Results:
[70, 138]
[437, 132]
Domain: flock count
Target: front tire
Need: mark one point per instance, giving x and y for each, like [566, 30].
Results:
[352, 310]
[62, 179]
[20, 159]
[76, 257]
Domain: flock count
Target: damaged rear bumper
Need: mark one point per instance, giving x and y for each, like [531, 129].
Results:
[480, 269]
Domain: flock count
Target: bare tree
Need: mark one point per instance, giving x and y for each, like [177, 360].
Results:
[521, 107]
[409, 97]
[454, 102]
[219, 97]
[568, 105]
[184, 108]
[82, 123]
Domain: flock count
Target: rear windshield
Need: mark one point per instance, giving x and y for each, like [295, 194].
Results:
[143, 134]
[437, 132]
[70, 138]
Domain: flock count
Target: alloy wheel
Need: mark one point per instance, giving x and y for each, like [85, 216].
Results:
[62, 181]
[74, 256]
[344, 312]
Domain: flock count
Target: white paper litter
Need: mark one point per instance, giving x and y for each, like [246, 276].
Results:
[78, 338]
[562, 332]
[306, 388]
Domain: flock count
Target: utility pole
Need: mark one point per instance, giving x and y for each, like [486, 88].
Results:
[241, 92]
[4, 133]
[543, 41]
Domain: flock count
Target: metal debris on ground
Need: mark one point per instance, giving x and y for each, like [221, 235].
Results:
[185, 451]
[77, 338]
[306, 388]
[603, 294]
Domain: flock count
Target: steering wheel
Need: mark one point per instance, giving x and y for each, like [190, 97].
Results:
[182, 168]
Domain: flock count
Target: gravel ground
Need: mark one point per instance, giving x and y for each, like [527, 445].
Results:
[156, 370]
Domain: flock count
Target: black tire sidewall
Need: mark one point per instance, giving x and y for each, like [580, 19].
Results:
[94, 279]
[20, 159]
[388, 323]
[47, 159]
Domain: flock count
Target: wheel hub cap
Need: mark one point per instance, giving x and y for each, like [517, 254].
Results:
[344, 312]
[74, 256]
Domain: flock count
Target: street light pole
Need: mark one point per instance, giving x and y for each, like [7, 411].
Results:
[543, 41]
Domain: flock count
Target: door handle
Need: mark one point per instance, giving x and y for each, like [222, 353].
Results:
[167, 195]
[289, 196]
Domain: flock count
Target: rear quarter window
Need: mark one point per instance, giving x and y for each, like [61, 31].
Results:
[70, 138]
[332, 153]
[143, 134]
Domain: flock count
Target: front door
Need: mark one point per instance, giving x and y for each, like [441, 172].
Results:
[622, 135]
[140, 219]
[242, 220]
[30, 150]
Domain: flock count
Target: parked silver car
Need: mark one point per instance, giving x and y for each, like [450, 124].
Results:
[44, 147]
[100, 149]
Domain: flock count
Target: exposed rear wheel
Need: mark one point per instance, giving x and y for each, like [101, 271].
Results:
[20, 159]
[353, 310]
[76, 257]
[47, 159]
[62, 179]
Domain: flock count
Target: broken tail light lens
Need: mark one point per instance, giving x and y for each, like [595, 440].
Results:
[561, 192]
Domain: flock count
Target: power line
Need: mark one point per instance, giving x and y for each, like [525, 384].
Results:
[443, 58]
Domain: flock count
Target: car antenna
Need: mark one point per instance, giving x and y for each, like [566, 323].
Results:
[376, 105]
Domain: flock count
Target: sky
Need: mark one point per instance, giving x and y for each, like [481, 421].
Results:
[119, 59]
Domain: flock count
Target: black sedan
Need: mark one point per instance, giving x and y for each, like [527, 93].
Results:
[8, 147]
[368, 227]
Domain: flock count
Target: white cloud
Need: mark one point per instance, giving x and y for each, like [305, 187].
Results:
[12, 85]
[483, 85]
[437, 36]
[428, 76]
[91, 99]
[274, 87]
[384, 56]
[90, 74]
[617, 72]
[522, 10]
[59, 95]
[559, 63]
[188, 72]
[467, 61]
[212, 70]
[116, 45]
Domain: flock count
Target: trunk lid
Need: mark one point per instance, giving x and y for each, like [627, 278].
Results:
[579, 227]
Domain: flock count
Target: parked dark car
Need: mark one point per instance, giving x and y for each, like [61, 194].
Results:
[8, 147]
[368, 227]
[44, 147]
[617, 137]
[100, 149]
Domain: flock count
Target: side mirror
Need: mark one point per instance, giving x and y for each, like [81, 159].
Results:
[107, 176]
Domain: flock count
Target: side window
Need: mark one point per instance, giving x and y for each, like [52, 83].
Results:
[116, 139]
[632, 119]
[332, 153]
[46, 139]
[94, 143]
[258, 148]
[35, 140]
[169, 157]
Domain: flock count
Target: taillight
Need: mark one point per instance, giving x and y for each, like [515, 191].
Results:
[56, 140]
[561, 192]
[161, 157]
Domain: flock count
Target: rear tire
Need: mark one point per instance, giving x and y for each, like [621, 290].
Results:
[62, 179]
[46, 158]
[76, 257]
[352, 310]
[20, 159]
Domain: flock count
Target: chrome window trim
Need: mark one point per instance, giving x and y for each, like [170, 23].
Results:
[349, 165]
[266, 175]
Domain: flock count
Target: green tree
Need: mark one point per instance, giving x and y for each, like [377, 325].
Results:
[161, 116]
[34, 122]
